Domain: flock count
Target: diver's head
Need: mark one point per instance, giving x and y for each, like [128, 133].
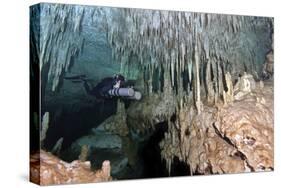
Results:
[118, 77]
[119, 80]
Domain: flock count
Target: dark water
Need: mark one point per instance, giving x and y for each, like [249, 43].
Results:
[148, 157]
[73, 125]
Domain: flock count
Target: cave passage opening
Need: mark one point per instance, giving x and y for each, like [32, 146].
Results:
[153, 165]
[73, 124]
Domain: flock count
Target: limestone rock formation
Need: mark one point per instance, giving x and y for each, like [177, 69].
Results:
[116, 124]
[97, 147]
[97, 141]
[232, 138]
[268, 68]
[47, 169]
[228, 96]
[84, 153]
[245, 85]
[225, 139]
[156, 40]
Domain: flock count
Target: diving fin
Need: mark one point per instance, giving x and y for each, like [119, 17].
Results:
[77, 77]
[76, 81]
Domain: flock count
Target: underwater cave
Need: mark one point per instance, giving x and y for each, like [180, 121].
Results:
[203, 82]
[153, 164]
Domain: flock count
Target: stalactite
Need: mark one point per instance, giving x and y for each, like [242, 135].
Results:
[161, 36]
[189, 68]
[197, 81]
[159, 79]
[167, 81]
[220, 79]
[172, 72]
[209, 83]
[150, 72]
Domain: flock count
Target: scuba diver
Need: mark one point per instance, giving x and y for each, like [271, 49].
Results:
[109, 87]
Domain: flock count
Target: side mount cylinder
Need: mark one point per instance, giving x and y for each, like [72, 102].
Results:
[121, 92]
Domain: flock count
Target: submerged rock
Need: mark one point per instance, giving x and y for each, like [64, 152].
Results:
[117, 159]
[245, 85]
[100, 146]
[99, 141]
[47, 169]
[92, 142]
[115, 124]
[119, 165]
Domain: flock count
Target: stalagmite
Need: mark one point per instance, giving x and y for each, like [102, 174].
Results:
[84, 153]
[245, 85]
[228, 96]
[57, 147]
[44, 127]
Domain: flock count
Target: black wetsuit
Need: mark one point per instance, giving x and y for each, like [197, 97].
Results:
[102, 88]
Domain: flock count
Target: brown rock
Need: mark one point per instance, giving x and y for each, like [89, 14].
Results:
[47, 169]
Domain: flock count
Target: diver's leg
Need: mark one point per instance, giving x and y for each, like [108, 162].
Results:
[87, 87]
